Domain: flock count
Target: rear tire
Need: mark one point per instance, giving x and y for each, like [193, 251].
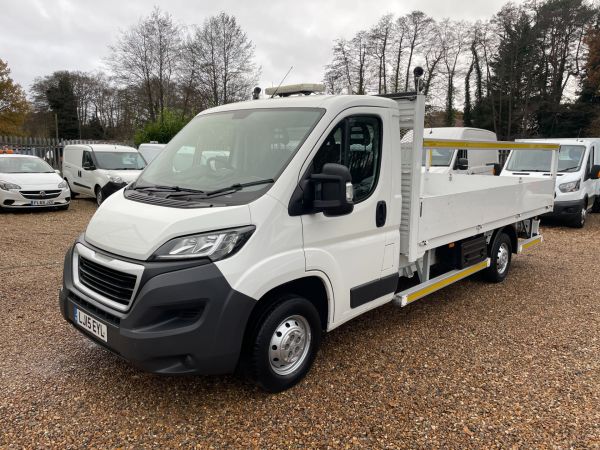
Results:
[281, 348]
[579, 220]
[501, 257]
[99, 196]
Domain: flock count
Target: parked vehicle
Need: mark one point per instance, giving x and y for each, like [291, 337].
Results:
[150, 150]
[100, 169]
[309, 212]
[577, 187]
[28, 182]
[456, 160]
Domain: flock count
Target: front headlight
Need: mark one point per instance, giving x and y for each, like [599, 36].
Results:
[572, 186]
[214, 245]
[115, 179]
[6, 186]
[62, 185]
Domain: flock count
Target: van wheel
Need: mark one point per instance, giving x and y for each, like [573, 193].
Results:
[282, 347]
[73, 193]
[501, 256]
[99, 196]
[579, 220]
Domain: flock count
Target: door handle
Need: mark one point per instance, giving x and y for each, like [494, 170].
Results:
[380, 214]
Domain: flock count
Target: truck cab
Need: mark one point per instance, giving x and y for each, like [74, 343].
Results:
[577, 186]
[264, 224]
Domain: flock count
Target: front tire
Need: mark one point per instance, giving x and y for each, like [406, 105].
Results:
[99, 195]
[579, 220]
[501, 256]
[282, 347]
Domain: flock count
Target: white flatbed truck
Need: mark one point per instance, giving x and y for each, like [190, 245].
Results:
[311, 213]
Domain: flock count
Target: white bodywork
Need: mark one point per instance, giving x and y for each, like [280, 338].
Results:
[589, 188]
[150, 151]
[479, 161]
[82, 181]
[424, 211]
[35, 190]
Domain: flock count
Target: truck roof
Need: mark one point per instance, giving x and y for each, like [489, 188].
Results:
[571, 141]
[309, 101]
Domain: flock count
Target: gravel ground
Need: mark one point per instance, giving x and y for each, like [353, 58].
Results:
[475, 365]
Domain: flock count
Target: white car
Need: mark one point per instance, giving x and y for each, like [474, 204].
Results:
[100, 169]
[30, 182]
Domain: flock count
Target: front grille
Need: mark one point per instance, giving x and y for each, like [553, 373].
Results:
[112, 284]
[37, 195]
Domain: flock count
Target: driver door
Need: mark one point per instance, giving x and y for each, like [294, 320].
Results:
[351, 249]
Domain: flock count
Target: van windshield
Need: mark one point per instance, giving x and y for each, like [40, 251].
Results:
[120, 160]
[440, 157]
[221, 150]
[569, 159]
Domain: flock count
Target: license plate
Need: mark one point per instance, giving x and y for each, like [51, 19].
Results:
[41, 202]
[90, 324]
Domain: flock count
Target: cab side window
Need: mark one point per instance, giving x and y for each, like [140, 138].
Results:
[355, 143]
[87, 159]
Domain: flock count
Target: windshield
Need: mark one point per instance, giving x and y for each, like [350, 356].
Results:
[24, 165]
[120, 160]
[439, 157]
[569, 159]
[218, 150]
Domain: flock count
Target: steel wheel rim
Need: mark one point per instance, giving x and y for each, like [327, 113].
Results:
[583, 215]
[289, 345]
[502, 258]
[99, 198]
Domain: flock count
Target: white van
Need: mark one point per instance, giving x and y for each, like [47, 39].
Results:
[265, 223]
[99, 169]
[150, 150]
[461, 160]
[577, 186]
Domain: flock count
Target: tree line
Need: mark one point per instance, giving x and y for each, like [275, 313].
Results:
[532, 69]
[159, 74]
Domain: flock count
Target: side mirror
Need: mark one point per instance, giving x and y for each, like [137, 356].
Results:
[595, 173]
[333, 191]
[56, 171]
[89, 167]
[462, 164]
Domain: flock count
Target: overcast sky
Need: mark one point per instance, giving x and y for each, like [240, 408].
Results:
[38, 37]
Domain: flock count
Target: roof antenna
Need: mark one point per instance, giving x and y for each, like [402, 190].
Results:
[282, 80]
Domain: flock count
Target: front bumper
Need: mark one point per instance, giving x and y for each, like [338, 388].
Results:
[185, 318]
[14, 199]
[565, 210]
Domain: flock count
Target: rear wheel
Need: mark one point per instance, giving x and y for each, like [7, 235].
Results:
[501, 257]
[99, 195]
[282, 347]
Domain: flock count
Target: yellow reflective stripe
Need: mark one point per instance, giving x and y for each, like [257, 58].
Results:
[531, 243]
[500, 145]
[443, 283]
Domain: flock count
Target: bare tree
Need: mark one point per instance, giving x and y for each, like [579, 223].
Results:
[417, 24]
[147, 56]
[221, 55]
[380, 36]
[454, 38]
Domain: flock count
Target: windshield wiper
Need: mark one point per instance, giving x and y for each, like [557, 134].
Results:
[569, 169]
[229, 189]
[159, 188]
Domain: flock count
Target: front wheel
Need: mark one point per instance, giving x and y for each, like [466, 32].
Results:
[283, 344]
[579, 220]
[99, 195]
[501, 256]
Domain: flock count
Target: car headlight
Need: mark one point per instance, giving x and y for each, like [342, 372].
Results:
[572, 186]
[62, 185]
[214, 245]
[6, 186]
[115, 179]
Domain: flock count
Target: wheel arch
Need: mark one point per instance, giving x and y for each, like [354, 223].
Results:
[509, 230]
